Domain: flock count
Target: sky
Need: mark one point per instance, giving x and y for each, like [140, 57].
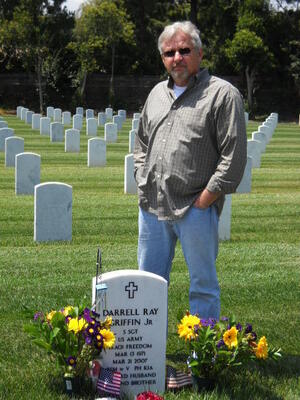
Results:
[73, 5]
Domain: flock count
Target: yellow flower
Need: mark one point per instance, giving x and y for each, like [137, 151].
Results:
[77, 325]
[108, 322]
[186, 328]
[230, 337]
[50, 315]
[67, 310]
[108, 338]
[261, 350]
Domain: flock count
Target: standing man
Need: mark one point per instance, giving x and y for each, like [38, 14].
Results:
[190, 150]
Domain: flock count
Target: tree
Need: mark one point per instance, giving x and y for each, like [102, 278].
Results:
[248, 50]
[35, 35]
[101, 27]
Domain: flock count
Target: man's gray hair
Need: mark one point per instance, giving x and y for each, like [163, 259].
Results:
[185, 26]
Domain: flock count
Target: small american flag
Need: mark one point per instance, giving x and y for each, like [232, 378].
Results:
[109, 381]
[177, 379]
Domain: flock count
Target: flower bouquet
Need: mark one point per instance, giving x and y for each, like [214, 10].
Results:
[73, 337]
[214, 346]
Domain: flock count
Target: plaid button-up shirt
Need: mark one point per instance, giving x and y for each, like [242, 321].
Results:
[190, 143]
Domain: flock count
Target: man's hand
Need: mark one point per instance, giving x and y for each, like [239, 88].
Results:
[205, 199]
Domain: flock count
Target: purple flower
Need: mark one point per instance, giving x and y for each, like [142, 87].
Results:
[224, 318]
[67, 319]
[208, 322]
[71, 361]
[38, 316]
[248, 328]
[87, 315]
[239, 327]
[88, 340]
[220, 343]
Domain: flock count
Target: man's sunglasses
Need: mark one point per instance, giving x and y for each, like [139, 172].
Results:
[171, 53]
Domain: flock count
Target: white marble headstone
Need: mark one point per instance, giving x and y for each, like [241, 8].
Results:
[13, 146]
[56, 132]
[36, 121]
[262, 138]
[77, 121]
[131, 140]
[52, 212]
[137, 302]
[89, 113]
[79, 110]
[45, 126]
[101, 118]
[28, 117]
[91, 127]
[109, 113]
[23, 113]
[5, 133]
[122, 113]
[225, 219]
[57, 115]
[27, 172]
[50, 112]
[96, 152]
[3, 124]
[245, 184]
[66, 118]
[254, 151]
[19, 109]
[136, 115]
[135, 123]
[118, 119]
[110, 132]
[129, 181]
[72, 141]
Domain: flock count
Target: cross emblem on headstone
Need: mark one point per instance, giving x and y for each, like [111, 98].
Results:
[131, 288]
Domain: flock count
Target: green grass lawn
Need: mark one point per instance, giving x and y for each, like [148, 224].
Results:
[258, 268]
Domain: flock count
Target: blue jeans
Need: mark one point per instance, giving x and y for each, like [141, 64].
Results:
[197, 232]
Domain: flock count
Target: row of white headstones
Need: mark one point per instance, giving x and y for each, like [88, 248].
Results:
[53, 200]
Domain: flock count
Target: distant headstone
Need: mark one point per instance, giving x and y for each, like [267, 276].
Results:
[137, 303]
[50, 112]
[129, 181]
[131, 140]
[27, 172]
[118, 120]
[96, 152]
[245, 184]
[122, 113]
[101, 119]
[52, 212]
[5, 133]
[13, 146]
[77, 121]
[246, 118]
[23, 113]
[109, 113]
[79, 110]
[56, 132]
[36, 121]
[110, 132]
[19, 109]
[91, 127]
[57, 115]
[45, 126]
[72, 141]
[262, 138]
[136, 116]
[267, 130]
[254, 151]
[89, 113]
[225, 219]
[66, 118]
[135, 124]
[28, 117]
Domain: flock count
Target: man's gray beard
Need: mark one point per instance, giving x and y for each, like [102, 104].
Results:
[180, 75]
